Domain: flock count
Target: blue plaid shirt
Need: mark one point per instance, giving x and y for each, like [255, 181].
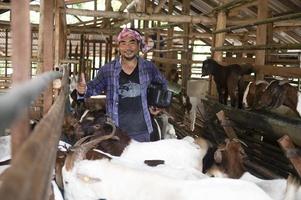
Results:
[107, 80]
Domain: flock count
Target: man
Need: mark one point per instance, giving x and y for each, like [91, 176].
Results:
[125, 81]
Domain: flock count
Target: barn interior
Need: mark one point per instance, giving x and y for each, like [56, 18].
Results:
[79, 36]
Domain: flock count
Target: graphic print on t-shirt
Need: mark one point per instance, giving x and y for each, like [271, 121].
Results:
[129, 89]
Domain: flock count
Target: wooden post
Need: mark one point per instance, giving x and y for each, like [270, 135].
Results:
[100, 54]
[6, 51]
[93, 63]
[261, 36]
[186, 27]
[157, 46]
[94, 44]
[108, 7]
[286, 144]
[76, 67]
[107, 52]
[170, 35]
[45, 46]
[110, 47]
[81, 54]
[219, 42]
[20, 26]
[269, 38]
[140, 7]
[60, 32]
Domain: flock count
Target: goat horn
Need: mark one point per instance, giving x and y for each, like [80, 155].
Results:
[80, 151]
[240, 141]
[82, 140]
[87, 146]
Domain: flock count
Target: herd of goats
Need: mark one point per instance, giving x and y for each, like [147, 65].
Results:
[251, 95]
[100, 161]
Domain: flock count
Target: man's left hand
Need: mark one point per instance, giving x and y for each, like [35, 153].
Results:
[155, 110]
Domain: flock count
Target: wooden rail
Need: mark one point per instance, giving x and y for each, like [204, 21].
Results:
[15, 100]
[29, 176]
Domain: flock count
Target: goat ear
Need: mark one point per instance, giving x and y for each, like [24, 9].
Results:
[218, 156]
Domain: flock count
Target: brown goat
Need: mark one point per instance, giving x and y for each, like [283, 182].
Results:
[229, 158]
[280, 93]
[253, 93]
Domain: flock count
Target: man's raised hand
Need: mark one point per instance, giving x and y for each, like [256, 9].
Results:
[81, 85]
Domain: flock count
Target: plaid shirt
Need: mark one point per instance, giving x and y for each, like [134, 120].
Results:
[107, 80]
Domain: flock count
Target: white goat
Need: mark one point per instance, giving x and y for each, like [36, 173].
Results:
[168, 130]
[5, 150]
[196, 90]
[102, 179]
[105, 179]
[182, 153]
[278, 189]
[174, 152]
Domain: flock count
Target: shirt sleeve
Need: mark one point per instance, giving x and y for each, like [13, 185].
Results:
[97, 85]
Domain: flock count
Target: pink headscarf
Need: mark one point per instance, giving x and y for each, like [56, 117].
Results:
[126, 32]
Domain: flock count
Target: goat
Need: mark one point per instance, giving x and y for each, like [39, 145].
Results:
[281, 93]
[196, 90]
[229, 163]
[229, 159]
[173, 151]
[253, 93]
[104, 179]
[163, 129]
[5, 149]
[228, 79]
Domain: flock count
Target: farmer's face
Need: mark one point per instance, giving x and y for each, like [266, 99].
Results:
[129, 48]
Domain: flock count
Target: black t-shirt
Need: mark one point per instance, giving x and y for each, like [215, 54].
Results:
[130, 111]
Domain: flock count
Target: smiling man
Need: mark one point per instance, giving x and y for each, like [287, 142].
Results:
[125, 81]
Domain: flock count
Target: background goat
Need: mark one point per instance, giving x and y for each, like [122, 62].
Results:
[280, 93]
[253, 93]
[228, 80]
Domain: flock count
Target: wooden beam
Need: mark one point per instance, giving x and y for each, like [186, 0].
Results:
[21, 64]
[160, 6]
[225, 123]
[267, 124]
[286, 144]
[69, 2]
[290, 72]
[235, 11]
[231, 4]
[257, 47]
[173, 61]
[141, 16]
[194, 19]
[296, 15]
